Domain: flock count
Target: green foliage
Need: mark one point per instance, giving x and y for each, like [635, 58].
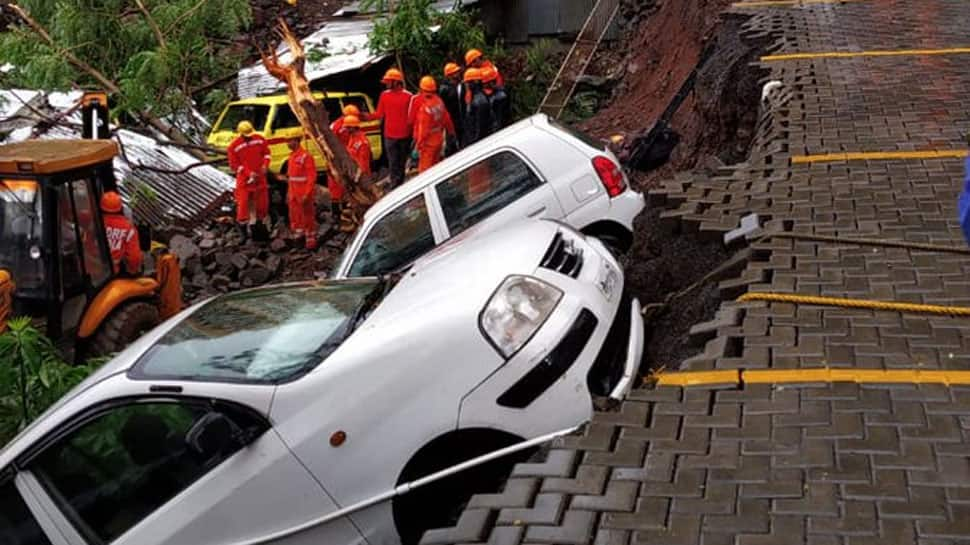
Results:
[116, 38]
[32, 376]
[541, 66]
[421, 38]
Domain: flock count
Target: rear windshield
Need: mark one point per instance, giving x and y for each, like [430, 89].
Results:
[580, 135]
[254, 113]
[264, 336]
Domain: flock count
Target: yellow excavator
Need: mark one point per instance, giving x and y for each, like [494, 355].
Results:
[55, 265]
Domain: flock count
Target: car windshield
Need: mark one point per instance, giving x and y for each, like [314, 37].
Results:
[254, 113]
[20, 233]
[264, 336]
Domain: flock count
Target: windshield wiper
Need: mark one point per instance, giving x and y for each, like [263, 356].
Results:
[375, 295]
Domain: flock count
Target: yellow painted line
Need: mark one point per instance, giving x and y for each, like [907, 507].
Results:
[782, 3]
[853, 54]
[699, 378]
[895, 306]
[878, 156]
[860, 376]
[814, 376]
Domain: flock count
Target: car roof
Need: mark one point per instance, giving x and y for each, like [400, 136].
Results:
[416, 185]
[53, 156]
[271, 100]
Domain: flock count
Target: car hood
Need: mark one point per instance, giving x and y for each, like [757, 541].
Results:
[468, 270]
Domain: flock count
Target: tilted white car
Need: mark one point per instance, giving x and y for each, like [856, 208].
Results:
[535, 168]
[302, 413]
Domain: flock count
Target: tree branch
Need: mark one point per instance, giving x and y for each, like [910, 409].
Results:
[110, 86]
[151, 22]
[184, 16]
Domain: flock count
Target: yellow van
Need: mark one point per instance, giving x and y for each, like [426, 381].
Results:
[274, 120]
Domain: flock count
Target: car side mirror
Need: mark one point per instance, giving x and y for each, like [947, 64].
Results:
[212, 435]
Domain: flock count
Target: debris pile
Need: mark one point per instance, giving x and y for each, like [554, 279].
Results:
[217, 260]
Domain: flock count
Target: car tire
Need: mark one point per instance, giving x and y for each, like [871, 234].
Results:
[122, 327]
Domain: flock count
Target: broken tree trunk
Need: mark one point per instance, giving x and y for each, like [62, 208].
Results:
[360, 193]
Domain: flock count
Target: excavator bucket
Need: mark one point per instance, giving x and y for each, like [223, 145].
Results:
[6, 299]
[169, 278]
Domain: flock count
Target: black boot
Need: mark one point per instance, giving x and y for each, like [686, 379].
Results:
[336, 210]
[243, 232]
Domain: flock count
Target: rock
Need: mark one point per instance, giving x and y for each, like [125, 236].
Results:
[200, 280]
[211, 267]
[254, 277]
[278, 245]
[193, 265]
[223, 258]
[590, 80]
[234, 285]
[183, 247]
[274, 263]
[240, 261]
[221, 282]
[254, 262]
[207, 243]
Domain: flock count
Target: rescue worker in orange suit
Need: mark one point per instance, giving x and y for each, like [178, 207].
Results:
[338, 126]
[432, 125]
[449, 91]
[497, 98]
[478, 111]
[475, 59]
[249, 158]
[358, 146]
[301, 174]
[340, 131]
[394, 107]
[122, 236]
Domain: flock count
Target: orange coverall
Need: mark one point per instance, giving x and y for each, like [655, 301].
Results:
[301, 173]
[247, 158]
[431, 124]
[359, 148]
[123, 242]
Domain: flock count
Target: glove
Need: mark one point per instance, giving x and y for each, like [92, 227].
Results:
[414, 154]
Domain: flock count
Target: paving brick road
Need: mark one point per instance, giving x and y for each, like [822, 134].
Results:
[822, 464]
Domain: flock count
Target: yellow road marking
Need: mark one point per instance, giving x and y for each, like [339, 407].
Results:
[699, 378]
[795, 3]
[812, 376]
[855, 303]
[878, 156]
[851, 54]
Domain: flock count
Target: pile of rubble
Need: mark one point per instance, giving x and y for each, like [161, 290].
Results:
[217, 260]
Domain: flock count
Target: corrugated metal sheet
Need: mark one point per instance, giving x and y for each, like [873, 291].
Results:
[181, 198]
[345, 42]
[540, 18]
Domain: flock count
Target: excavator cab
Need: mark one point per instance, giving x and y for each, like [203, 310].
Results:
[55, 263]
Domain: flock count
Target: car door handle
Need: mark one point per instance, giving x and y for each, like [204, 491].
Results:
[537, 211]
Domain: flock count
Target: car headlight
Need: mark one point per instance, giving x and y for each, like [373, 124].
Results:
[516, 311]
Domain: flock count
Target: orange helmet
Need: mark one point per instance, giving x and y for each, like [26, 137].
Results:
[350, 109]
[352, 122]
[393, 74]
[473, 74]
[111, 202]
[472, 56]
[428, 84]
[451, 69]
[489, 73]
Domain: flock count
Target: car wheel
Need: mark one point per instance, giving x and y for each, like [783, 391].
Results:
[439, 504]
[123, 326]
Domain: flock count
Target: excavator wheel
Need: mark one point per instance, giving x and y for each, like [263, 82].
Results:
[123, 326]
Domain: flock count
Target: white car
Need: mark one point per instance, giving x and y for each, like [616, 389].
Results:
[304, 413]
[535, 168]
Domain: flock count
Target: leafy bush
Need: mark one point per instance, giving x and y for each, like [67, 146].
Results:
[421, 38]
[540, 68]
[32, 376]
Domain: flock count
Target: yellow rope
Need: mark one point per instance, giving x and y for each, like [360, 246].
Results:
[854, 303]
[809, 375]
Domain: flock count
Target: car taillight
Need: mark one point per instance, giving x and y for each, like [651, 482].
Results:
[610, 174]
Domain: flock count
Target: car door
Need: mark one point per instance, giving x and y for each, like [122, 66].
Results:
[497, 188]
[19, 525]
[166, 470]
